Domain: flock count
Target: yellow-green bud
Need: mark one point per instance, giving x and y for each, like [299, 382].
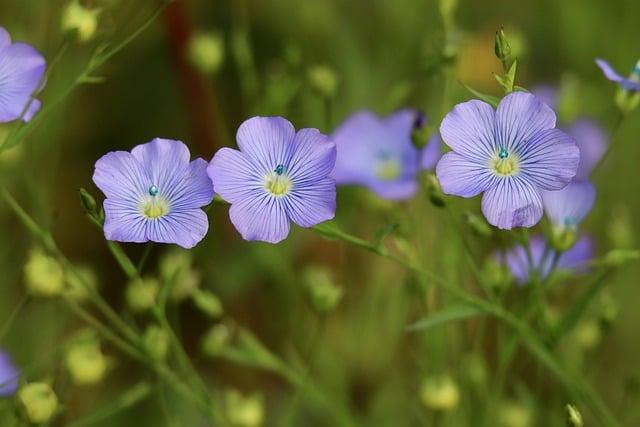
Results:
[78, 288]
[609, 309]
[44, 275]
[206, 52]
[323, 294]
[478, 225]
[244, 411]
[434, 190]
[83, 22]
[156, 342]
[587, 334]
[208, 303]
[514, 414]
[563, 239]
[420, 132]
[323, 80]
[574, 418]
[141, 294]
[627, 101]
[175, 267]
[216, 340]
[88, 203]
[476, 370]
[502, 47]
[38, 402]
[84, 359]
[440, 393]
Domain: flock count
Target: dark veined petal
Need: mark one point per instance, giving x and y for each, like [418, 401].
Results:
[569, 206]
[519, 117]
[120, 176]
[21, 75]
[312, 204]
[262, 218]
[193, 190]
[313, 158]
[124, 222]
[512, 202]
[550, 159]
[166, 162]
[234, 176]
[185, 228]
[267, 141]
[462, 177]
[469, 130]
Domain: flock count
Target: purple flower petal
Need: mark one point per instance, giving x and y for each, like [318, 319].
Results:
[5, 39]
[547, 94]
[266, 140]
[513, 202]
[613, 75]
[21, 75]
[313, 203]
[183, 227]
[469, 130]
[313, 158]
[549, 158]
[519, 117]
[461, 177]
[9, 374]
[569, 206]
[431, 153]
[120, 176]
[262, 218]
[592, 142]
[395, 190]
[578, 257]
[233, 175]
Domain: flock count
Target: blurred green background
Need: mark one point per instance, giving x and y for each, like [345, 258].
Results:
[384, 55]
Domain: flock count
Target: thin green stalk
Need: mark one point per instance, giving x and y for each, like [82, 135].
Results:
[12, 316]
[143, 260]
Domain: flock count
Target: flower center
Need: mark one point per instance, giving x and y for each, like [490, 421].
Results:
[635, 72]
[154, 206]
[388, 168]
[277, 183]
[505, 163]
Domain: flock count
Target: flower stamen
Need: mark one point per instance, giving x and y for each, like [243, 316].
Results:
[154, 207]
[277, 183]
[505, 164]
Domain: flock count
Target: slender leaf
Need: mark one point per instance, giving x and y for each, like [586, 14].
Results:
[446, 315]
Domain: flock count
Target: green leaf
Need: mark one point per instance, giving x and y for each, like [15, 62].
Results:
[493, 100]
[446, 315]
[385, 231]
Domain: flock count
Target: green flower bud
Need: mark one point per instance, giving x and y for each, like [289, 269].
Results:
[38, 402]
[420, 133]
[216, 340]
[208, 303]
[44, 275]
[436, 196]
[141, 294]
[478, 225]
[244, 411]
[502, 47]
[475, 370]
[323, 293]
[574, 418]
[156, 342]
[619, 257]
[440, 393]
[627, 101]
[620, 229]
[323, 80]
[563, 239]
[88, 202]
[496, 276]
[587, 334]
[84, 359]
[206, 52]
[514, 414]
[175, 267]
[78, 288]
[81, 21]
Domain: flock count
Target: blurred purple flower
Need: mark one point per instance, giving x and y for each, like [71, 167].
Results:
[154, 194]
[566, 208]
[21, 75]
[378, 153]
[511, 154]
[575, 259]
[278, 176]
[547, 94]
[431, 153]
[632, 83]
[592, 142]
[9, 375]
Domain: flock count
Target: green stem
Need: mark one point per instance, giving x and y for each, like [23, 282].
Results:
[12, 316]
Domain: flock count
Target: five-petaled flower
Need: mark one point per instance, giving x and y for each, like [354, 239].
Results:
[9, 375]
[631, 83]
[154, 193]
[278, 176]
[511, 154]
[21, 75]
[574, 260]
[378, 153]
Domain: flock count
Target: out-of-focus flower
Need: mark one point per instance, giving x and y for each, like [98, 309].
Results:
[141, 294]
[631, 83]
[80, 20]
[244, 411]
[566, 208]
[276, 177]
[176, 267]
[592, 142]
[323, 293]
[38, 401]
[440, 393]
[323, 80]
[85, 361]
[156, 342]
[574, 259]
[512, 155]
[44, 275]
[206, 52]
[9, 375]
[154, 194]
[21, 76]
[378, 153]
[547, 94]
